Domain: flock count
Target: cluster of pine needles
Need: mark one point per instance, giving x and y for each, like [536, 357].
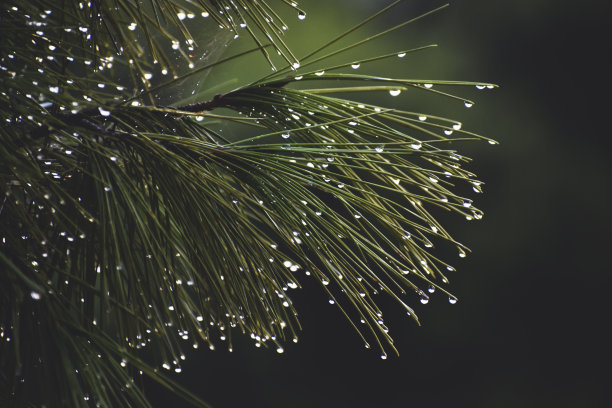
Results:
[128, 226]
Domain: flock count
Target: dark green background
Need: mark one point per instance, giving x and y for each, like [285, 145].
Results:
[529, 328]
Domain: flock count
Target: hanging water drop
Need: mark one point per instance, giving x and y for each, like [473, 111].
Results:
[103, 111]
[468, 104]
[35, 295]
[379, 149]
[452, 300]
[401, 55]
[422, 118]
[428, 86]
[132, 27]
[395, 92]
[355, 65]
[301, 15]
[320, 73]
[286, 135]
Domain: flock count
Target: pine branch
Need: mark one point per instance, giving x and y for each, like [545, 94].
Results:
[130, 225]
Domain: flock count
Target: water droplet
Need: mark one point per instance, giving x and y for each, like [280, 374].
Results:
[148, 75]
[205, 14]
[297, 78]
[431, 289]
[461, 253]
[493, 142]
[181, 15]
[132, 27]
[395, 92]
[301, 15]
[428, 86]
[379, 149]
[422, 118]
[54, 89]
[452, 300]
[490, 86]
[331, 301]
[286, 135]
[468, 104]
[296, 65]
[448, 132]
[424, 300]
[280, 350]
[35, 295]
[401, 55]
[416, 145]
[383, 356]
[355, 65]
[467, 203]
[319, 73]
[103, 111]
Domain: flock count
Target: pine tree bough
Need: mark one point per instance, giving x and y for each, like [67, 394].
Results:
[130, 223]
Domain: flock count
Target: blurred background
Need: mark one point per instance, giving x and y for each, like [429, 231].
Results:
[530, 327]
